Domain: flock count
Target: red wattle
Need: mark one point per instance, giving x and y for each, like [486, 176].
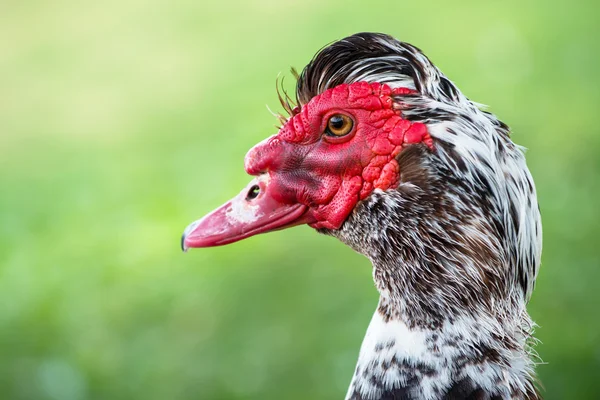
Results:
[330, 175]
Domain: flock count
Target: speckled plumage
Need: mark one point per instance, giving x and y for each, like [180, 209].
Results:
[455, 247]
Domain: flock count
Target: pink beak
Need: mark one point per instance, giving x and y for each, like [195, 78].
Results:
[255, 210]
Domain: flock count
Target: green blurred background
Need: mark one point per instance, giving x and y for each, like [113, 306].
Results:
[123, 121]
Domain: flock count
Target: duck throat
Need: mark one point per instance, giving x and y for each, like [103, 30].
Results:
[450, 323]
[463, 358]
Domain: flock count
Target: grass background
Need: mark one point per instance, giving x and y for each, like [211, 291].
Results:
[123, 121]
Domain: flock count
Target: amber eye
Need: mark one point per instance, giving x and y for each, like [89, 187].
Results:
[339, 125]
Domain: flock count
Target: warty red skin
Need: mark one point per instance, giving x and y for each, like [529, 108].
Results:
[328, 174]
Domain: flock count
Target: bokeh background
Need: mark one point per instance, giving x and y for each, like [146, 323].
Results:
[123, 121]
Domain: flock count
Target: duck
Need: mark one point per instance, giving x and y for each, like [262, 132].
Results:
[382, 151]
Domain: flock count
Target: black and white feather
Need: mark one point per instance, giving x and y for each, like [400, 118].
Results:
[455, 248]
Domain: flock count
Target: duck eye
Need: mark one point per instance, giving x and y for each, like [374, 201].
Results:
[339, 125]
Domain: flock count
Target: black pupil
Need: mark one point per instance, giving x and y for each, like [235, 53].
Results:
[336, 122]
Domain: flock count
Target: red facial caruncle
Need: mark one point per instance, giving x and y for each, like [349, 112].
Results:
[328, 156]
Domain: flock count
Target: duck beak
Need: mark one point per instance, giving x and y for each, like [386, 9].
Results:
[255, 210]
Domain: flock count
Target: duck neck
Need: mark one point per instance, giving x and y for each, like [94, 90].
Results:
[411, 352]
[454, 274]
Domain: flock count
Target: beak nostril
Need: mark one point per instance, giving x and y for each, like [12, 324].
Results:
[253, 192]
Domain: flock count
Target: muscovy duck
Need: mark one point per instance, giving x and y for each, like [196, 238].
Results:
[383, 152]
